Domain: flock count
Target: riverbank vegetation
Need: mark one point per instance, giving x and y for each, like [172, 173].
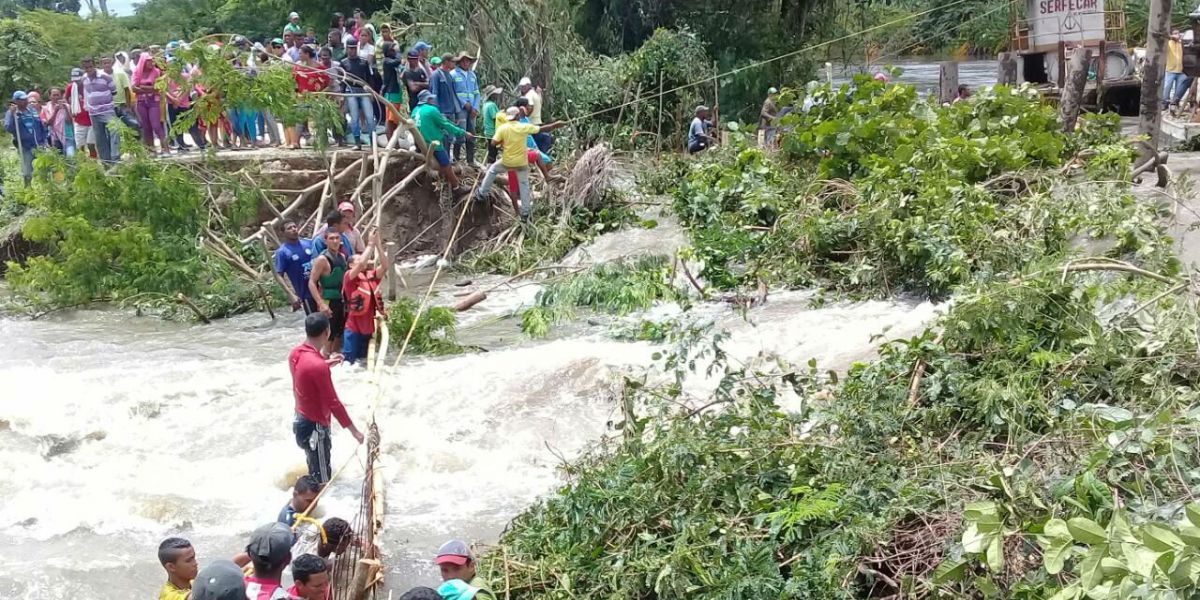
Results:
[1032, 443]
[145, 239]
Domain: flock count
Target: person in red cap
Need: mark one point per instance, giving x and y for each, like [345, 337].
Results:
[356, 238]
[364, 300]
[455, 561]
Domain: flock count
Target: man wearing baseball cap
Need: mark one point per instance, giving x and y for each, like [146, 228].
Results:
[456, 562]
[436, 128]
[27, 129]
[270, 551]
[221, 580]
[293, 25]
[415, 78]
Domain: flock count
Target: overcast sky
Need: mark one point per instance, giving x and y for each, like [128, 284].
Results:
[121, 7]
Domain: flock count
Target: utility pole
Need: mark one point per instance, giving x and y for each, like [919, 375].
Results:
[1157, 33]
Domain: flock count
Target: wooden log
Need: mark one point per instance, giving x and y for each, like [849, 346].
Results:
[1072, 94]
[1007, 69]
[947, 82]
[364, 575]
[471, 300]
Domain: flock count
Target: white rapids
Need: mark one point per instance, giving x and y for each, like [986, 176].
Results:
[116, 432]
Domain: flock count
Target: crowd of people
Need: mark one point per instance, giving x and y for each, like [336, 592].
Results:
[372, 76]
[293, 557]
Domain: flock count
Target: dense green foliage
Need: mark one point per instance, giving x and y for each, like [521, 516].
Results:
[615, 288]
[433, 334]
[1030, 408]
[877, 190]
[133, 238]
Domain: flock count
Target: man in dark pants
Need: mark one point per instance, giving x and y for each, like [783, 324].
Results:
[316, 400]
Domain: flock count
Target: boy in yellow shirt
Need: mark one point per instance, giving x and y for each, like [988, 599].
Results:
[178, 558]
[514, 157]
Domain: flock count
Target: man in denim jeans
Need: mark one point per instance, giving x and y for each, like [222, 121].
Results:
[98, 91]
[360, 72]
[1175, 75]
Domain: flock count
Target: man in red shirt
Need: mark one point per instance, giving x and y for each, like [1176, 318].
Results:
[316, 400]
[364, 299]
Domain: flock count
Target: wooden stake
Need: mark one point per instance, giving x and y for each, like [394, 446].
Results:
[947, 82]
[660, 110]
[1072, 94]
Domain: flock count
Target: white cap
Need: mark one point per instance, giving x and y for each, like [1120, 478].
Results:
[513, 112]
[525, 81]
[294, 15]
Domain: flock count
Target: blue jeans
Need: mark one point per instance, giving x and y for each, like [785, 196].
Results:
[354, 346]
[108, 143]
[365, 106]
[1181, 82]
[27, 164]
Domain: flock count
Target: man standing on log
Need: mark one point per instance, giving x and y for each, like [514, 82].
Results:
[316, 399]
[435, 127]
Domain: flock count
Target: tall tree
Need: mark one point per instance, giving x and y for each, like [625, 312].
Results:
[1152, 75]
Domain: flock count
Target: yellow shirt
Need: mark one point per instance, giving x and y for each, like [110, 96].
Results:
[1174, 56]
[511, 135]
[170, 592]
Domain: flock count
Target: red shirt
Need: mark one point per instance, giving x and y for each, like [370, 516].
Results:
[363, 324]
[312, 385]
[310, 79]
[82, 117]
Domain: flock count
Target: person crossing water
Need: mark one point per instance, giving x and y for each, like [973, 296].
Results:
[316, 398]
[325, 283]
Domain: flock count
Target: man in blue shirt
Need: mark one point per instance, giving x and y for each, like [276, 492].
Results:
[699, 138]
[441, 85]
[338, 222]
[293, 262]
[27, 129]
[466, 87]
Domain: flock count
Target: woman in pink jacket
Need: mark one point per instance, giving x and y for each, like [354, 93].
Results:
[149, 102]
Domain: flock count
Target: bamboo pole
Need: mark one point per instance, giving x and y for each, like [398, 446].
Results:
[660, 111]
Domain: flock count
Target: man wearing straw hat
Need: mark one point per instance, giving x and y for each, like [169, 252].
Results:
[466, 87]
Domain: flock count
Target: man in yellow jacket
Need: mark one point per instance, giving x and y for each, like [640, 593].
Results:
[514, 154]
[1175, 76]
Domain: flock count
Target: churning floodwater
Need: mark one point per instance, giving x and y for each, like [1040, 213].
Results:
[924, 73]
[118, 431]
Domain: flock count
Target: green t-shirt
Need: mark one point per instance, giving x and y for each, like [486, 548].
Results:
[432, 124]
[121, 80]
[489, 118]
[485, 592]
[292, 28]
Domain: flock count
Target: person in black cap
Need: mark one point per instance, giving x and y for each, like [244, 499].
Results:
[416, 79]
[360, 108]
[270, 551]
[221, 580]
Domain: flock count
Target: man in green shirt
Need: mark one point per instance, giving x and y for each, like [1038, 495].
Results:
[293, 26]
[491, 108]
[455, 561]
[434, 127]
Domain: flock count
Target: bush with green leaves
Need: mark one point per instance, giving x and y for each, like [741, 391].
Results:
[130, 236]
[615, 288]
[1067, 395]
[878, 191]
[434, 333]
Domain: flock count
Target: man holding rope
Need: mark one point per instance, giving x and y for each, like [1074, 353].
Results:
[316, 399]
